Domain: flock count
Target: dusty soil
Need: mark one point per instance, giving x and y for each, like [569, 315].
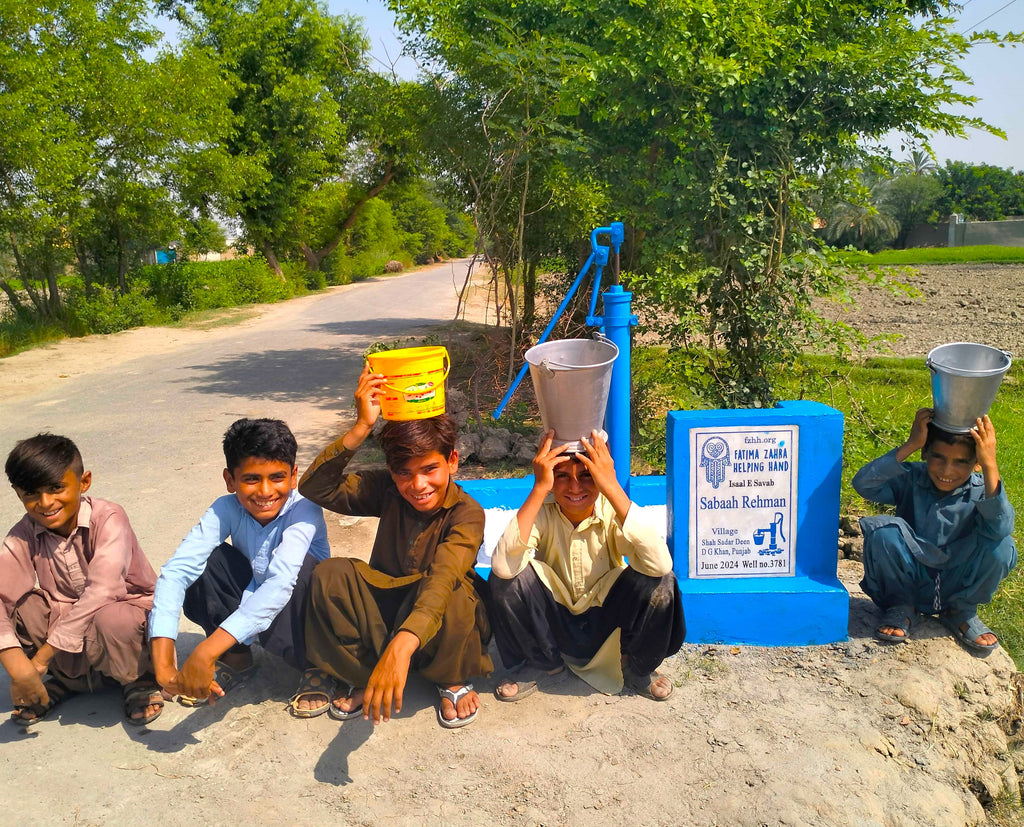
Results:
[853, 732]
[981, 303]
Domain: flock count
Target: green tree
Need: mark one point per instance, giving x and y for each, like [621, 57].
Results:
[911, 199]
[706, 124]
[981, 192]
[308, 113]
[94, 134]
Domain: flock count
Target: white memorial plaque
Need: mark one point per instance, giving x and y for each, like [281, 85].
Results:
[743, 501]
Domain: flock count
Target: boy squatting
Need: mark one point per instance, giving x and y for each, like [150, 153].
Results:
[83, 626]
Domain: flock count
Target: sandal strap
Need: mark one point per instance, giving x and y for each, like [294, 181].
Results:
[454, 696]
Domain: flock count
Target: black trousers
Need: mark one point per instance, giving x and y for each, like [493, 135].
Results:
[217, 594]
[529, 625]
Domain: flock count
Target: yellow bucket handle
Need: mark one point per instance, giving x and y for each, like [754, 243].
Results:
[447, 369]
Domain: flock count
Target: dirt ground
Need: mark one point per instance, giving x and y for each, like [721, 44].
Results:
[853, 732]
[981, 303]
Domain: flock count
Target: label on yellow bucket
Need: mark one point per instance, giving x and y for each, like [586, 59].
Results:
[415, 381]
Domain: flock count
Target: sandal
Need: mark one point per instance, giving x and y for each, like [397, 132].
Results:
[226, 678]
[316, 683]
[896, 617]
[454, 723]
[969, 637]
[138, 695]
[57, 692]
[641, 684]
[529, 679]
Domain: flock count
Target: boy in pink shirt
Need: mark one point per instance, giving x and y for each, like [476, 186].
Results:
[83, 626]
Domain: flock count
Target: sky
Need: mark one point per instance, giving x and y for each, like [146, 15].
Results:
[997, 73]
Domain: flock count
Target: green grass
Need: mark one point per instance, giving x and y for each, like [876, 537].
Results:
[878, 398]
[937, 255]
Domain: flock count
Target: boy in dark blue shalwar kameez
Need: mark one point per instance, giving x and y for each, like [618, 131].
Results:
[949, 544]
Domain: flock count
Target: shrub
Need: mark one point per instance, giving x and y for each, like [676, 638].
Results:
[205, 285]
[104, 310]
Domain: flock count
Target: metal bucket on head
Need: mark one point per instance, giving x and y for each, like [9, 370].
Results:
[965, 379]
[572, 378]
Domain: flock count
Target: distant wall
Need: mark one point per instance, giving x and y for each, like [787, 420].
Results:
[1006, 233]
[959, 233]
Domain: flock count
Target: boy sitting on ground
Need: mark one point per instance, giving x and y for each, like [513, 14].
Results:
[948, 546]
[414, 605]
[561, 587]
[253, 588]
[83, 626]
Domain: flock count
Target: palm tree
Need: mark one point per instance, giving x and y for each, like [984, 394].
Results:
[921, 163]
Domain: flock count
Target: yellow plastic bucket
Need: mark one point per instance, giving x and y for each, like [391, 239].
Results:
[415, 381]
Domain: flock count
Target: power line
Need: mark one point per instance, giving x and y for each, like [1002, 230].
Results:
[975, 26]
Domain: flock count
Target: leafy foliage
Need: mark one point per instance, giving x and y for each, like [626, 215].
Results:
[703, 125]
[981, 192]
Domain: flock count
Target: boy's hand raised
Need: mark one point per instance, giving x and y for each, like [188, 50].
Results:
[918, 434]
[984, 433]
[369, 388]
[544, 463]
[598, 460]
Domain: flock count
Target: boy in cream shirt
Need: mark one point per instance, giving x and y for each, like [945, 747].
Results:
[562, 592]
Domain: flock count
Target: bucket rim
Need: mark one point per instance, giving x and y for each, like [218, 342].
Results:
[408, 352]
[556, 365]
[958, 371]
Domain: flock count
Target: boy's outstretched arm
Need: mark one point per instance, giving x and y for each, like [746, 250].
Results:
[984, 433]
[598, 460]
[386, 685]
[918, 434]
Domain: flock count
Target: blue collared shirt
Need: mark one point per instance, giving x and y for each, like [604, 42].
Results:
[276, 552]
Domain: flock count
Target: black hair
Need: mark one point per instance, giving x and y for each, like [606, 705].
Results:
[260, 438]
[937, 434]
[41, 461]
[403, 440]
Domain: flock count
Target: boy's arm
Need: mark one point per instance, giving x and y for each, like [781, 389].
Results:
[598, 460]
[324, 481]
[27, 687]
[882, 479]
[18, 578]
[984, 434]
[185, 567]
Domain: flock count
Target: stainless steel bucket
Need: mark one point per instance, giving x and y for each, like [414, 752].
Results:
[965, 379]
[572, 378]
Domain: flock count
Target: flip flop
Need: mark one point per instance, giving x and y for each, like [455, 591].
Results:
[968, 638]
[454, 723]
[313, 682]
[226, 678]
[57, 692]
[641, 684]
[341, 715]
[896, 617]
[529, 679]
[136, 696]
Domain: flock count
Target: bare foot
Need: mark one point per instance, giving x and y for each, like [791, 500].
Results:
[156, 704]
[509, 688]
[892, 630]
[349, 703]
[987, 639]
[468, 704]
[661, 686]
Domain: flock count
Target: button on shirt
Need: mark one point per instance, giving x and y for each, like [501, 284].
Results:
[275, 551]
[579, 565]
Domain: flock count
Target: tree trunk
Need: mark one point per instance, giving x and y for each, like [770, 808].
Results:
[389, 174]
[312, 259]
[275, 265]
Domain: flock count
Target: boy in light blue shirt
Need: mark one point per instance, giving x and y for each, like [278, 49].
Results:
[252, 589]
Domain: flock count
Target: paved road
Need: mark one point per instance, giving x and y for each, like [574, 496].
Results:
[150, 427]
